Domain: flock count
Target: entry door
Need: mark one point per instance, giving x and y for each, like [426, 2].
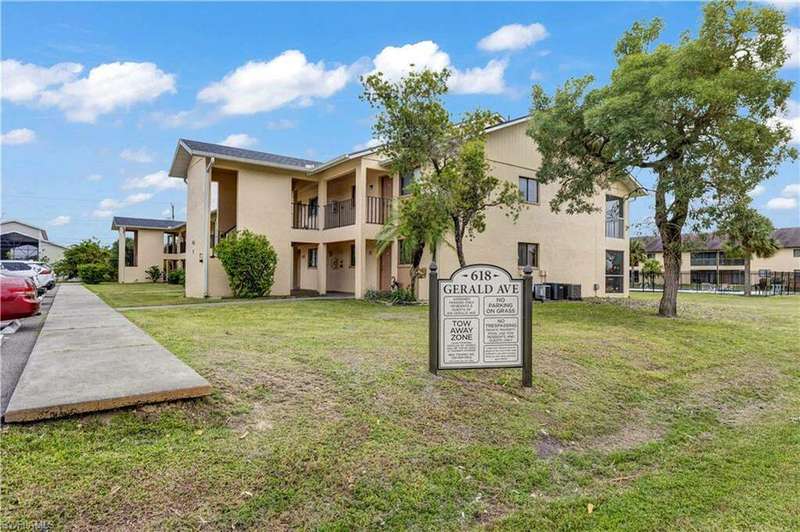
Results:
[296, 270]
[386, 186]
[386, 270]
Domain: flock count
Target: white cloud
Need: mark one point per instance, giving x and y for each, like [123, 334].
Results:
[17, 136]
[781, 204]
[24, 82]
[159, 181]
[263, 86]
[94, 177]
[239, 140]
[513, 37]
[59, 220]
[791, 119]
[785, 5]
[107, 206]
[397, 61]
[536, 75]
[371, 143]
[109, 87]
[756, 191]
[792, 43]
[283, 123]
[136, 156]
[790, 191]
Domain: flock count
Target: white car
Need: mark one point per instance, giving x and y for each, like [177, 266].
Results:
[46, 274]
[20, 268]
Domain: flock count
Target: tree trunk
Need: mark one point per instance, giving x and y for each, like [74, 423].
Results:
[748, 288]
[416, 258]
[672, 279]
[458, 236]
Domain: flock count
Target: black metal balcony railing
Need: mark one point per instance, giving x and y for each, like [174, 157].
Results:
[615, 228]
[340, 214]
[378, 210]
[175, 248]
[304, 216]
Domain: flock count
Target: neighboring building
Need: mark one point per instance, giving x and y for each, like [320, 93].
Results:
[704, 260]
[152, 242]
[24, 241]
[323, 220]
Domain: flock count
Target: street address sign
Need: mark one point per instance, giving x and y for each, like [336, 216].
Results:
[480, 318]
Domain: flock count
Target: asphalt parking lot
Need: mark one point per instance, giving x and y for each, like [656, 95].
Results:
[17, 347]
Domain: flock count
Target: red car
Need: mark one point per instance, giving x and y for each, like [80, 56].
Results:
[17, 298]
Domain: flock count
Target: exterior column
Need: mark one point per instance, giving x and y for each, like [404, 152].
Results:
[197, 228]
[121, 255]
[395, 259]
[322, 200]
[360, 285]
[322, 268]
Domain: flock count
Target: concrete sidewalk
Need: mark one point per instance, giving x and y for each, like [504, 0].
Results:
[90, 357]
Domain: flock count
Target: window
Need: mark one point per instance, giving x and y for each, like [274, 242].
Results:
[352, 255]
[312, 257]
[528, 254]
[796, 252]
[651, 255]
[406, 179]
[704, 277]
[406, 253]
[614, 271]
[529, 188]
[131, 246]
[16, 266]
[724, 260]
[615, 221]
[704, 258]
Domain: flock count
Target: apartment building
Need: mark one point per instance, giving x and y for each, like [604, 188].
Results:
[705, 262]
[323, 219]
[146, 242]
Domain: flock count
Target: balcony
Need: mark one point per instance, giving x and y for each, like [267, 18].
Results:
[339, 214]
[304, 216]
[615, 228]
[378, 210]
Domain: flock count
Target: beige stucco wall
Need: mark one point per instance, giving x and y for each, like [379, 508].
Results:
[51, 252]
[309, 276]
[149, 252]
[571, 247]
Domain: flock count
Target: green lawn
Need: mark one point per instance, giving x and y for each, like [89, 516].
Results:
[141, 294]
[325, 417]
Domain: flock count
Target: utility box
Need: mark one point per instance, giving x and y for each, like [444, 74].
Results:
[556, 291]
[574, 292]
[541, 292]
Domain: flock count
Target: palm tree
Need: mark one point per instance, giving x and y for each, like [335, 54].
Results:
[418, 221]
[748, 234]
[637, 252]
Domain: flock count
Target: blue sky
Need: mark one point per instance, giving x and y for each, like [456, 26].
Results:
[95, 96]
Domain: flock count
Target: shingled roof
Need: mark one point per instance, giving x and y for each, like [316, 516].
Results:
[144, 223]
[787, 237]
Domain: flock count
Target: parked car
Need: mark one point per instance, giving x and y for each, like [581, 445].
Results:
[20, 268]
[19, 297]
[46, 274]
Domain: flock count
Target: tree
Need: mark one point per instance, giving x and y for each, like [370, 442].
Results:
[637, 252]
[153, 273]
[250, 261]
[418, 135]
[418, 221]
[651, 268]
[747, 234]
[113, 260]
[88, 251]
[700, 116]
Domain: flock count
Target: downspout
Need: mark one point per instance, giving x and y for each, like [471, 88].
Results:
[207, 223]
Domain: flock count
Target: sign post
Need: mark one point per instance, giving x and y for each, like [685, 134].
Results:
[481, 318]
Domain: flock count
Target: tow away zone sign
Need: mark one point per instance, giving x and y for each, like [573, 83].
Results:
[481, 318]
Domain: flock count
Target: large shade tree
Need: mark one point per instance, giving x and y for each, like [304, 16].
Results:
[449, 157]
[747, 234]
[701, 115]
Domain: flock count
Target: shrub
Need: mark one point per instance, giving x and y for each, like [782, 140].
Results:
[176, 277]
[398, 296]
[249, 260]
[93, 272]
[153, 273]
[88, 251]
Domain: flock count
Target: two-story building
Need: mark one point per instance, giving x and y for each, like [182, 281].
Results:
[146, 242]
[323, 219]
[704, 262]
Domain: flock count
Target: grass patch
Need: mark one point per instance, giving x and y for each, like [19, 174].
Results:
[325, 417]
[142, 294]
